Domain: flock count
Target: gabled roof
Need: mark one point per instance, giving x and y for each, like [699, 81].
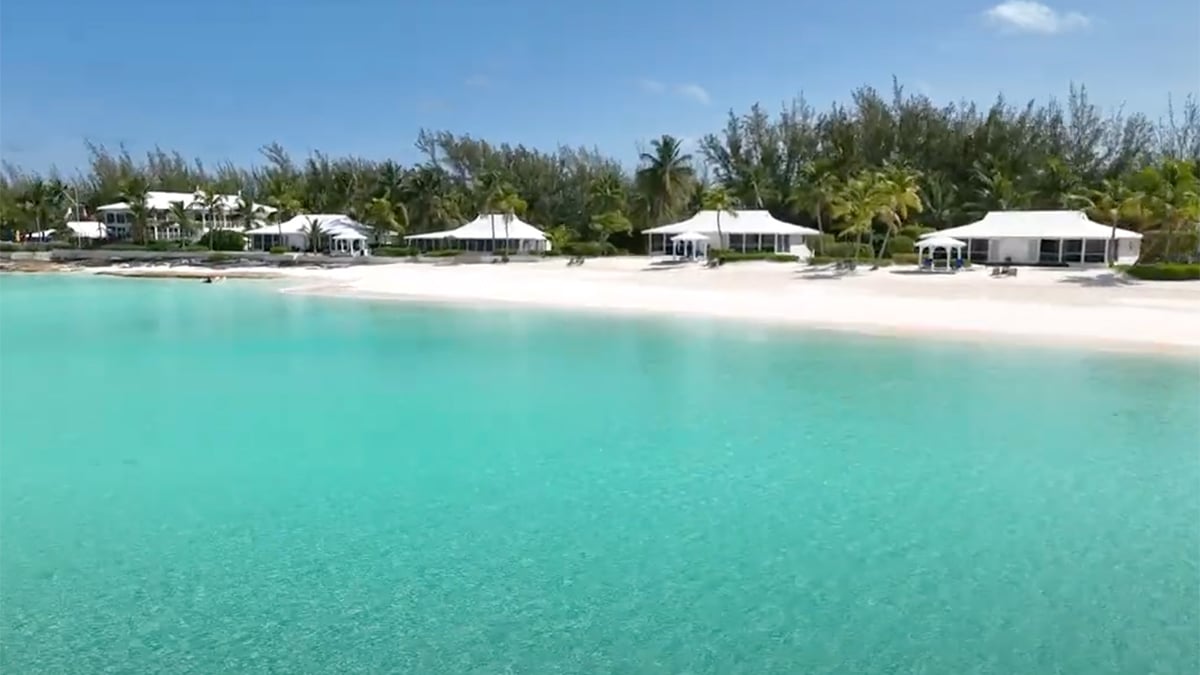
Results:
[1035, 225]
[744, 222]
[162, 201]
[482, 228]
[331, 225]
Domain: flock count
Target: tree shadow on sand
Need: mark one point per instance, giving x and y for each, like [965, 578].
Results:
[1106, 280]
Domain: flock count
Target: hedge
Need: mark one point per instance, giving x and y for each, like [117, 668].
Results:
[1165, 271]
[901, 244]
[906, 258]
[444, 253]
[279, 250]
[224, 240]
[394, 251]
[845, 249]
[739, 256]
[1184, 244]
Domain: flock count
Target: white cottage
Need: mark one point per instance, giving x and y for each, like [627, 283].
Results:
[339, 233]
[739, 231]
[118, 218]
[1044, 238]
[509, 234]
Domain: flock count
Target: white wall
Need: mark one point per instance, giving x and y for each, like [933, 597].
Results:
[1020, 250]
[1128, 251]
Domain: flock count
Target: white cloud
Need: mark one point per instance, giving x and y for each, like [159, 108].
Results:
[694, 92]
[1028, 16]
[652, 86]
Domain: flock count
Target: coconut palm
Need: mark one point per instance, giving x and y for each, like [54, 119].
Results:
[814, 194]
[135, 192]
[607, 224]
[857, 206]
[510, 205]
[247, 212]
[213, 205]
[898, 194]
[179, 214]
[380, 216]
[718, 199]
[42, 202]
[665, 178]
[1114, 200]
[312, 230]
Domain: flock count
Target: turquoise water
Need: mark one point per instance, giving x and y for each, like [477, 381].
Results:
[221, 479]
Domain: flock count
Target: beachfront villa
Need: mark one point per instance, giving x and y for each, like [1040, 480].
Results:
[338, 233]
[118, 219]
[1042, 238]
[743, 231]
[509, 234]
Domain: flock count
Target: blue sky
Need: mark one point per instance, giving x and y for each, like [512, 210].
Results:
[219, 79]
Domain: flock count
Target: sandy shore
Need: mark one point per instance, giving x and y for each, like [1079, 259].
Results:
[1070, 307]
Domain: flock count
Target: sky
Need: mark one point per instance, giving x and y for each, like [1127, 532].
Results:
[218, 80]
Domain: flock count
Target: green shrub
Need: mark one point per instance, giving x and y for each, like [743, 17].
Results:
[901, 244]
[444, 253]
[1165, 271]
[1184, 245]
[219, 257]
[737, 256]
[394, 251]
[552, 253]
[915, 231]
[279, 250]
[124, 246]
[224, 240]
[845, 249]
[589, 249]
[9, 246]
[906, 258]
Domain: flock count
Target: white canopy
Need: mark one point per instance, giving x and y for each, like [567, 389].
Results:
[689, 236]
[488, 226]
[737, 222]
[334, 225]
[1034, 225]
[939, 241]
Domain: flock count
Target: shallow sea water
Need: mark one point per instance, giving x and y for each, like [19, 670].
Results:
[224, 479]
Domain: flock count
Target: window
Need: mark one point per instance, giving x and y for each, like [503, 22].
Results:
[979, 250]
[109, 218]
[1072, 250]
[1093, 250]
[737, 242]
[1048, 252]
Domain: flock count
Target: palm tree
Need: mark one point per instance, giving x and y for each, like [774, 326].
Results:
[510, 205]
[179, 214]
[665, 177]
[282, 198]
[857, 205]
[381, 218]
[899, 195]
[718, 199]
[212, 204]
[606, 193]
[247, 212]
[134, 193]
[608, 223]
[814, 194]
[42, 202]
[1114, 199]
[313, 231]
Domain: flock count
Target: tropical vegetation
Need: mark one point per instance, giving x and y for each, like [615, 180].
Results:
[866, 171]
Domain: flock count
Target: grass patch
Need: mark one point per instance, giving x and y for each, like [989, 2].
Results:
[1165, 271]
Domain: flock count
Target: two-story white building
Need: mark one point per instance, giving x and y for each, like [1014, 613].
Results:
[118, 219]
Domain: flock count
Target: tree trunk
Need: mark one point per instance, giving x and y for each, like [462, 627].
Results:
[492, 221]
[821, 229]
[720, 237]
[1110, 255]
[887, 234]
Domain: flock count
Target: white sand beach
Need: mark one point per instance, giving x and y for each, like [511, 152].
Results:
[1056, 306]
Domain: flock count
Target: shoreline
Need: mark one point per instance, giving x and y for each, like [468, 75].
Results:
[1072, 308]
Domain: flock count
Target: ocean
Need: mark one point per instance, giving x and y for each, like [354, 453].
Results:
[223, 479]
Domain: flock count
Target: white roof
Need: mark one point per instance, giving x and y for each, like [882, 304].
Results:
[939, 240]
[88, 229]
[1034, 225]
[332, 225]
[744, 222]
[435, 235]
[162, 201]
[689, 236]
[481, 228]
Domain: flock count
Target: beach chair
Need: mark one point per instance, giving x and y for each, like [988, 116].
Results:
[996, 272]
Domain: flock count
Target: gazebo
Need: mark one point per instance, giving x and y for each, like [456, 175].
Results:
[942, 252]
[690, 245]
